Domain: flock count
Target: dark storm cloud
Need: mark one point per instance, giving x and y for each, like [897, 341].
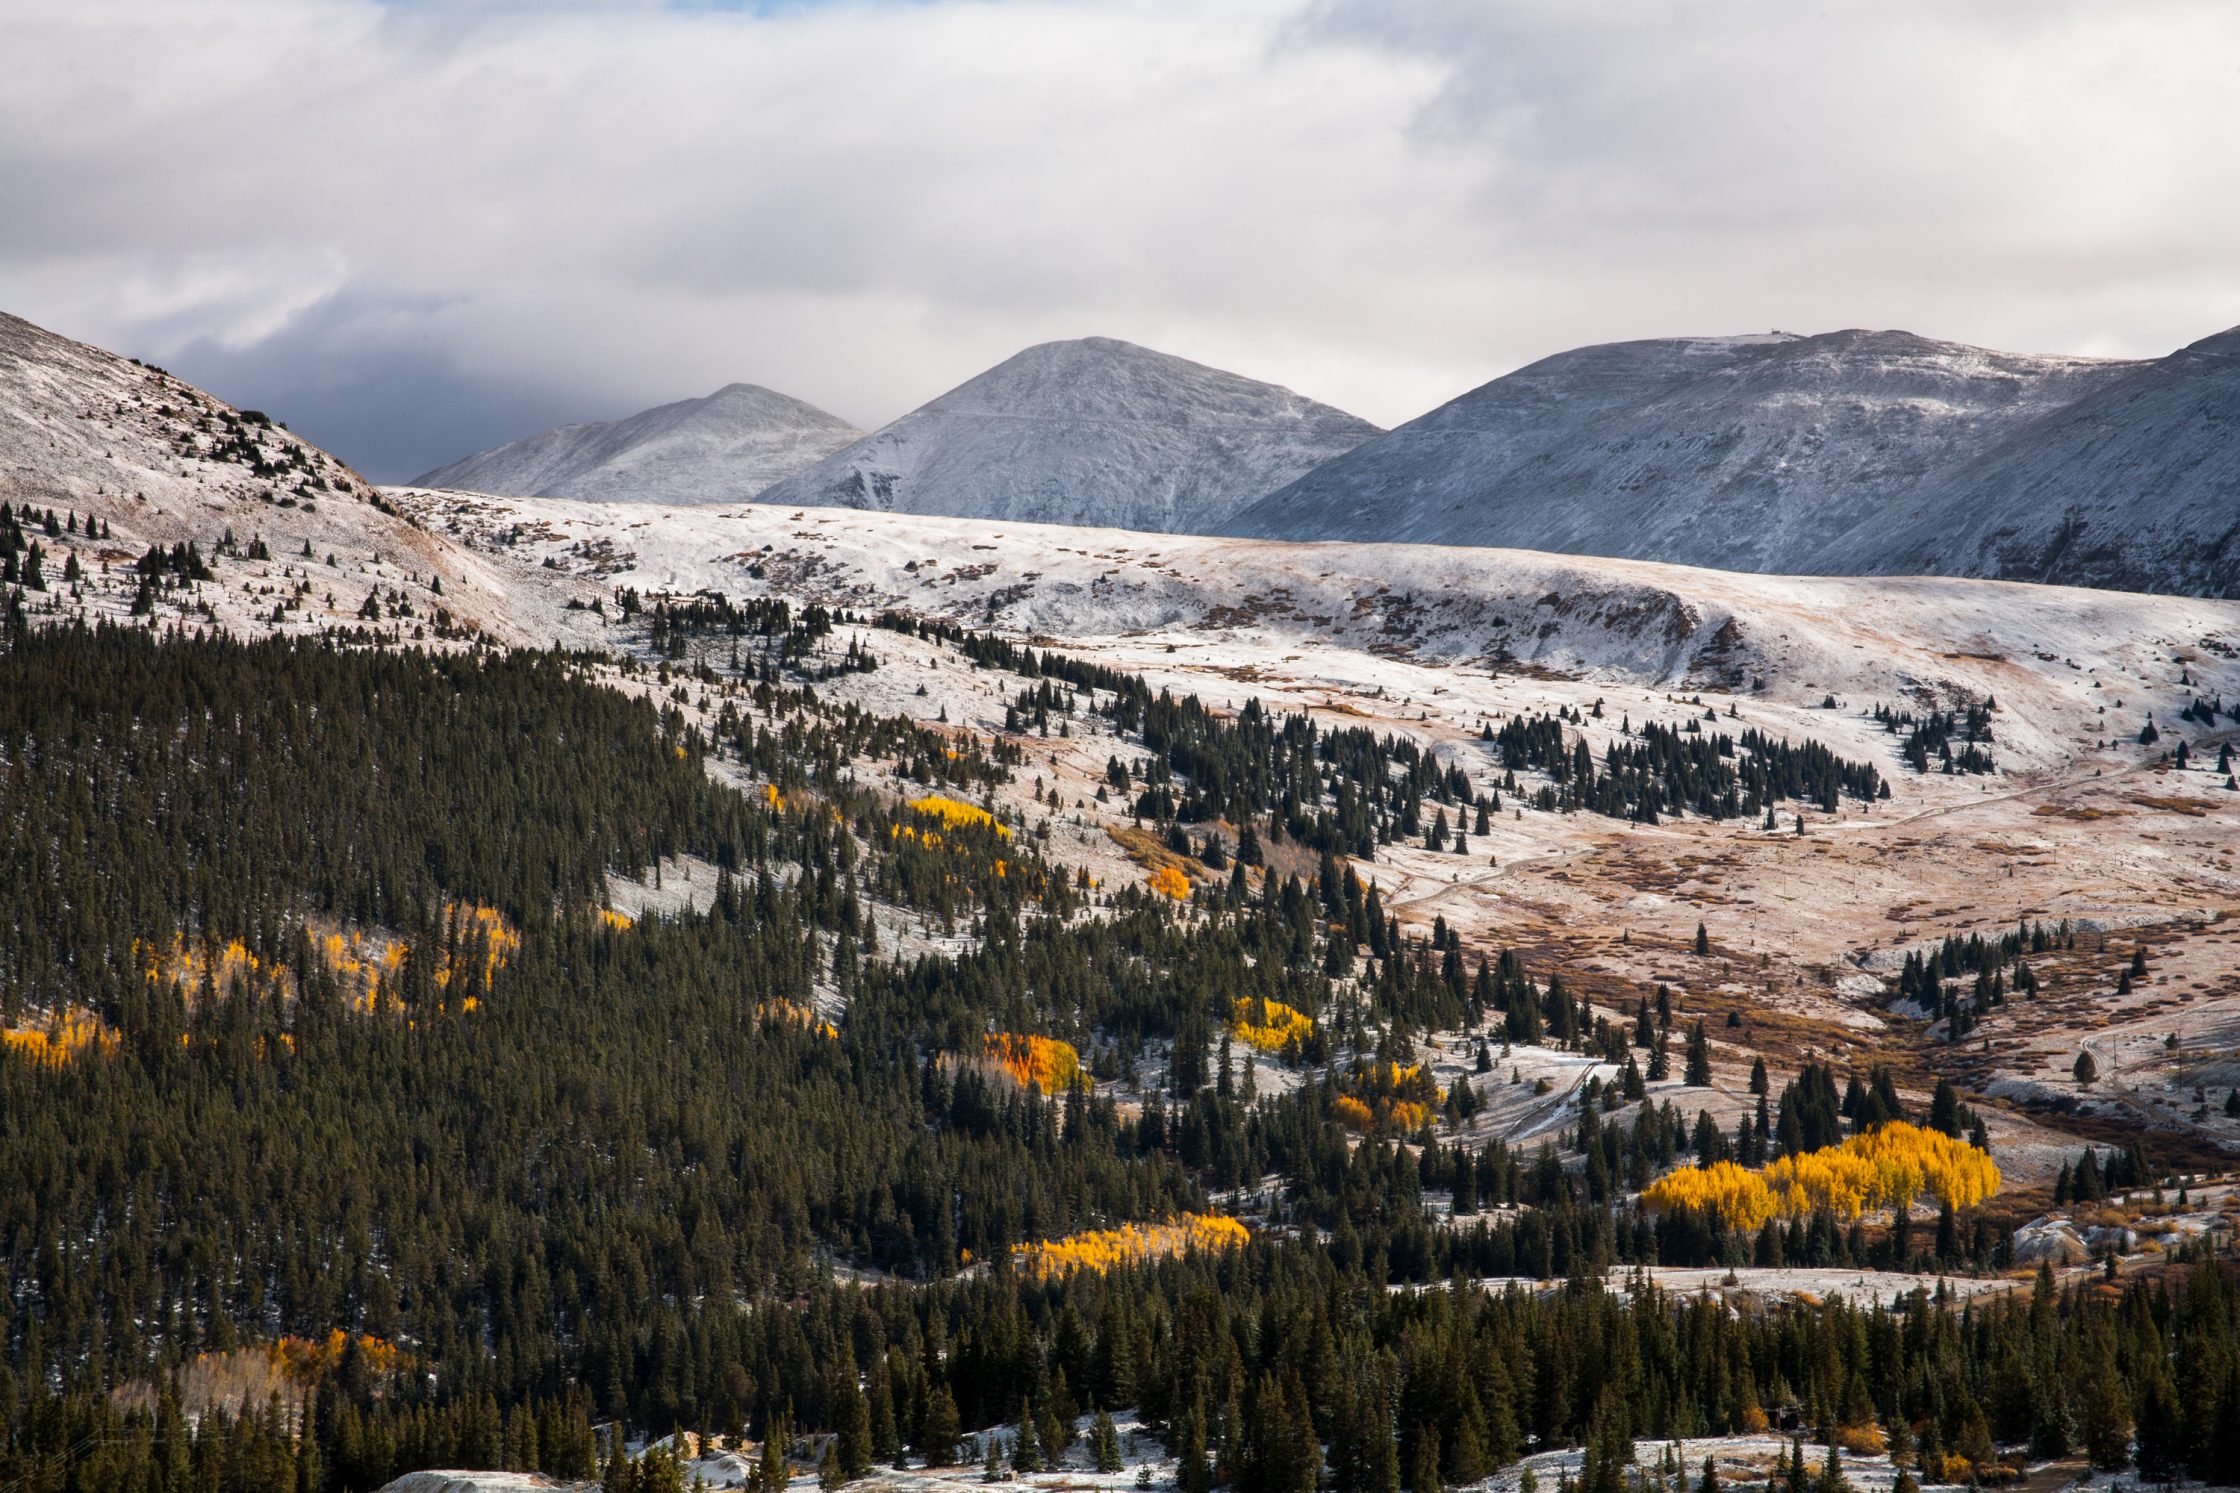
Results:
[344, 374]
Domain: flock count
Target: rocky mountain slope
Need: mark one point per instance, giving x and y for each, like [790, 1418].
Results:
[2135, 485]
[1743, 453]
[157, 461]
[1093, 431]
[720, 449]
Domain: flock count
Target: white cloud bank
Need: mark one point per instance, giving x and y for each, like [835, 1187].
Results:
[418, 228]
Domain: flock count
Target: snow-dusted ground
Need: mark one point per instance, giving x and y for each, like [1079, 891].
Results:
[1739, 1459]
[435, 1481]
[2080, 823]
[680, 883]
[1144, 1462]
[1404, 639]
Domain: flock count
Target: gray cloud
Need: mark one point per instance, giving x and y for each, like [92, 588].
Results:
[416, 230]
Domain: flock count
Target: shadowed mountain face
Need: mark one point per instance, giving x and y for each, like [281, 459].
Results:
[1745, 453]
[2135, 486]
[724, 448]
[1094, 432]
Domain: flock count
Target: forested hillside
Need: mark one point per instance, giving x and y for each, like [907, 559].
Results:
[332, 1069]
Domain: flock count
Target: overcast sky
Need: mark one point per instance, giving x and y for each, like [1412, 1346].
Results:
[413, 230]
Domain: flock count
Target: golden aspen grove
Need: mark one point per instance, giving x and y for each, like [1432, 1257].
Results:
[1393, 1097]
[1042, 1063]
[1268, 1026]
[1893, 1166]
[956, 814]
[1100, 1250]
[1169, 881]
[66, 1035]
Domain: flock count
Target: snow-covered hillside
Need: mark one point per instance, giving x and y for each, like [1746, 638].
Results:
[158, 461]
[1743, 453]
[720, 449]
[2040, 650]
[2134, 485]
[1093, 431]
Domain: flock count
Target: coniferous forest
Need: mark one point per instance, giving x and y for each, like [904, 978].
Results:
[333, 1057]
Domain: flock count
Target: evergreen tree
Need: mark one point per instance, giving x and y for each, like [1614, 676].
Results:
[854, 1441]
[771, 1471]
[938, 1441]
[1699, 1057]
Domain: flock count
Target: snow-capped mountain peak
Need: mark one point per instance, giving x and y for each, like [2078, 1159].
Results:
[1089, 431]
[1851, 452]
[726, 446]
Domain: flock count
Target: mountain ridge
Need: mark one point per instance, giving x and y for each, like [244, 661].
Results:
[1854, 452]
[1735, 453]
[718, 448]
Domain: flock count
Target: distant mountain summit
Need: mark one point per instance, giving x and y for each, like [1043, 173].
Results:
[1847, 453]
[1092, 432]
[1743, 453]
[721, 449]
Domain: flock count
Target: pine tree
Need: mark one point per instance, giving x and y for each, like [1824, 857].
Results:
[937, 1442]
[659, 1472]
[1699, 1057]
[1423, 1462]
[771, 1473]
[1193, 1474]
[2104, 1411]
[886, 1439]
[854, 1439]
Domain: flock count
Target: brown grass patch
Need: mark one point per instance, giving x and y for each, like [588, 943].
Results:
[2192, 808]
